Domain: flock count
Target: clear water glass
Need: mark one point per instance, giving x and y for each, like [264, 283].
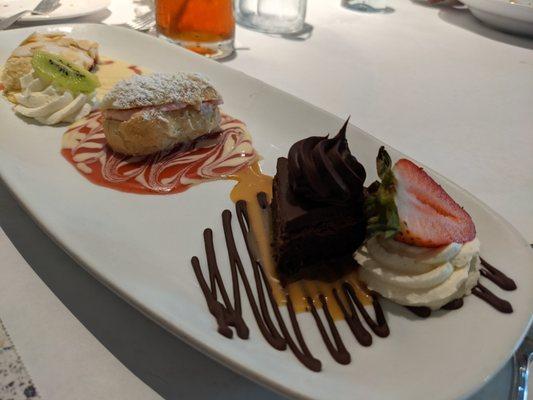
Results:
[271, 16]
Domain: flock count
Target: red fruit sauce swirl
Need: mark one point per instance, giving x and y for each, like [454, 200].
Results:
[211, 157]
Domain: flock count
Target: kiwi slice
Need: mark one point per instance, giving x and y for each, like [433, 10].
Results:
[58, 71]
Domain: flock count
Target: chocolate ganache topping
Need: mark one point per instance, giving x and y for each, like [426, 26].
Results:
[323, 171]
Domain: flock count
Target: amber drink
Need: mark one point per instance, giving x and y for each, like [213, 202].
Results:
[204, 26]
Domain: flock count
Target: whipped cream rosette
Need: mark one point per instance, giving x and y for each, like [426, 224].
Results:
[423, 250]
[419, 276]
[49, 104]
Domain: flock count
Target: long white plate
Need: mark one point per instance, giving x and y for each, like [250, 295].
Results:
[140, 246]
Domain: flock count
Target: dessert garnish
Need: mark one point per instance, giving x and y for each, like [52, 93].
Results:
[412, 207]
[82, 53]
[423, 250]
[55, 90]
[317, 206]
[146, 114]
[55, 70]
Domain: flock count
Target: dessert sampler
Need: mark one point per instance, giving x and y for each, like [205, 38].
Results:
[339, 246]
[318, 237]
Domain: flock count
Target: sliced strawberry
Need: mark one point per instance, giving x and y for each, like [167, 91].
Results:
[411, 207]
[428, 216]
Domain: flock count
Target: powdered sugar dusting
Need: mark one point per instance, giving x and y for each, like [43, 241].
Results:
[159, 88]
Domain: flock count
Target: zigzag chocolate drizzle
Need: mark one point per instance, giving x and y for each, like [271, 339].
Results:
[267, 314]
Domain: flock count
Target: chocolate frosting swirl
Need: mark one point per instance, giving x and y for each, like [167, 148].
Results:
[323, 171]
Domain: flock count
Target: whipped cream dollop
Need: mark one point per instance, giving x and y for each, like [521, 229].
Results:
[48, 104]
[419, 276]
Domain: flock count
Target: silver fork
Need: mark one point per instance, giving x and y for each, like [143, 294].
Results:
[44, 7]
[143, 22]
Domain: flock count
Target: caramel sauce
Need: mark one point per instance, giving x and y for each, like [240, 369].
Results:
[110, 71]
[250, 182]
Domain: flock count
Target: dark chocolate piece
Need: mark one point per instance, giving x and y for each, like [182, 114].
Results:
[317, 205]
[323, 171]
[304, 235]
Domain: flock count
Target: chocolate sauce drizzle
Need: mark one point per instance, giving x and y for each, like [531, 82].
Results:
[499, 279]
[491, 273]
[498, 303]
[337, 351]
[225, 314]
[425, 312]
[496, 276]
[454, 304]
[422, 312]
[228, 315]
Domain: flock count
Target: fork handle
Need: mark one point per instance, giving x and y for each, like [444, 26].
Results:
[6, 23]
[521, 369]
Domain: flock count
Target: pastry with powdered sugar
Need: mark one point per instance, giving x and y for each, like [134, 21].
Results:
[146, 114]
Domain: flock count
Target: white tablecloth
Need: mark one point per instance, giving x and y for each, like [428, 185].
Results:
[431, 81]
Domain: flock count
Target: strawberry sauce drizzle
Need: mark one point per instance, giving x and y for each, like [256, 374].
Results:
[211, 157]
[135, 69]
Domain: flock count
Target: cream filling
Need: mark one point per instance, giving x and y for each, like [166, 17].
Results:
[416, 276]
[149, 112]
[50, 105]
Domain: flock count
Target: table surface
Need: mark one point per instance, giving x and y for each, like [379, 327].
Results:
[432, 82]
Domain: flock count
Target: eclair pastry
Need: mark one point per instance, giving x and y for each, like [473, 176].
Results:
[149, 113]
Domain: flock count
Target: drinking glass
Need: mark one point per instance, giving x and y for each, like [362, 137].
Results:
[204, 26]
[271, 16]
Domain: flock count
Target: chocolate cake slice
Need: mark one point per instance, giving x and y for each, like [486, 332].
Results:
[317, 205]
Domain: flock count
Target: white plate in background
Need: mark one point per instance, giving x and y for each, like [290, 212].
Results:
[509, 16]
[68, 9]
[140, 246]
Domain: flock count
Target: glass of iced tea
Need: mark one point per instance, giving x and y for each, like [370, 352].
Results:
[204, 26]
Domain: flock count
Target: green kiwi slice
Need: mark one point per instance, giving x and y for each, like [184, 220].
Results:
[58, 71]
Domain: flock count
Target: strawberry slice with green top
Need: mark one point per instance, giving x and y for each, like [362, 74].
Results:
[414, 209]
